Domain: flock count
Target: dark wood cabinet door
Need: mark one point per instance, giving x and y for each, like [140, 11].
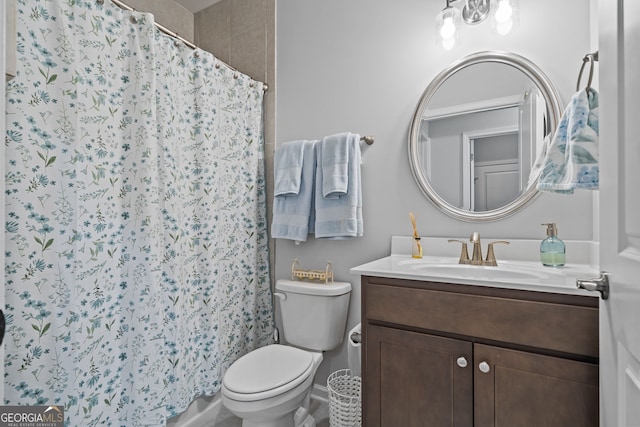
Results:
[416, 380]
[531, 390]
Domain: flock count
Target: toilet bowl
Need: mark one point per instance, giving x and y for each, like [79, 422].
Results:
[271, 386]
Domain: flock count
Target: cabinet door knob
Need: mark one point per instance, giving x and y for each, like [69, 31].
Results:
[484, 367]
[462, 362]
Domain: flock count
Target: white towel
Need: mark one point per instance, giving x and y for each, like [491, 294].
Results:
[293, 214]
[335, 165]
[340, 218]
[287, 162]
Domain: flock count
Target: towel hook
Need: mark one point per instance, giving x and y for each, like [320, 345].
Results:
[591, 58]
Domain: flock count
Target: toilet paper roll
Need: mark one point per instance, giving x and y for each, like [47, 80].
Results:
[354, 352]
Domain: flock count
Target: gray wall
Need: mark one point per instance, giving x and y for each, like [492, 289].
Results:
[361, 66]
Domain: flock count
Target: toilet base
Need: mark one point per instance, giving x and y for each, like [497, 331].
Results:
[308, 422]
[287, 421]
[298, 418]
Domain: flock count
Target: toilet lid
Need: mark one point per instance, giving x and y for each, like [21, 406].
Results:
[266, 368]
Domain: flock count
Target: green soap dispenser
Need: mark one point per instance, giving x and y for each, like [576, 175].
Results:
[552, 249]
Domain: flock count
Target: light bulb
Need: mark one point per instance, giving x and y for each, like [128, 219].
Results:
[503, 28]
[504, 12]
[448, 43]
[448, 29]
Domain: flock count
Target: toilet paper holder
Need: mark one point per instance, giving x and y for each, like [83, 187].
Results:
[354, 350]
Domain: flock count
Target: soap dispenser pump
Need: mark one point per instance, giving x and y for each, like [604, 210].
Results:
[552, 249]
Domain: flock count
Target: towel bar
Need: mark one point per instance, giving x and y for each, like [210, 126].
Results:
[368, 139]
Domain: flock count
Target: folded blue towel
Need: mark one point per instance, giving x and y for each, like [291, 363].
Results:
[572, 158]
[335, 165]
[293, 214]
[340, 217]
[287, 164]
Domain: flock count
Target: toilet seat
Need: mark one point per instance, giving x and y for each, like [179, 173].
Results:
[267, 372]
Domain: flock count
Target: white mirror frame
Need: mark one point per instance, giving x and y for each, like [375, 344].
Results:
[554, 108]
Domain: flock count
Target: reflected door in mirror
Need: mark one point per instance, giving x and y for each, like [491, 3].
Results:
[495, 171]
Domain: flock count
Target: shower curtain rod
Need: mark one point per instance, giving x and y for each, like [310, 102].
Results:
[170, 33]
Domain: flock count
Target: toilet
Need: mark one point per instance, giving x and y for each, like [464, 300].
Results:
[271, 386]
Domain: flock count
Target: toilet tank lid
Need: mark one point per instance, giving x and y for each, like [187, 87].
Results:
[314, 288]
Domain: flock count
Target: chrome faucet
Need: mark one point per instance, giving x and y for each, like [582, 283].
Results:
[476, 258]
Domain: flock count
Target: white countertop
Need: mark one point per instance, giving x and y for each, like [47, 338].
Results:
[511, 274]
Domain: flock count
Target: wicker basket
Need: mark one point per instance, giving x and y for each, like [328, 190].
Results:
[345, 400]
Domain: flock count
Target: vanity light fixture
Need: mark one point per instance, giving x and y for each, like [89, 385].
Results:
[505, 16]
[448, 26]
[449, 20]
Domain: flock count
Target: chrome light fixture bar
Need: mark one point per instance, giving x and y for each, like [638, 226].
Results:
[476, 11]
[448, 22]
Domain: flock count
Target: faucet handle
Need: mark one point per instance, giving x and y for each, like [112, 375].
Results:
[475, 237]
[464, 253]
[491, 256]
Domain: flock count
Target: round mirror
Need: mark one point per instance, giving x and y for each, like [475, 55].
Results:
[477, 133]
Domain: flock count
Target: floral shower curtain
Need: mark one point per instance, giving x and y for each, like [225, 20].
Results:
[136, 246]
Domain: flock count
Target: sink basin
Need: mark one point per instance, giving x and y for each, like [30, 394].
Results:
[505, 272]
[478, 272]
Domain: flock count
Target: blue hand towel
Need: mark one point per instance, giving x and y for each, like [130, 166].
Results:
[335, 165]
[341, 217]
[287, 164]
[572, 158]
[293, 214]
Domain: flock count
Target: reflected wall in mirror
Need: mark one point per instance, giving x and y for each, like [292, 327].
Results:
[477, 132]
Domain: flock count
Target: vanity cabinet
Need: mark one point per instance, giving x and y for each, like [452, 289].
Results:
[440, 354]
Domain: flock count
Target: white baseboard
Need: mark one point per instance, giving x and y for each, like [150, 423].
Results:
[199, 413]
[320, 393]
[204, 409]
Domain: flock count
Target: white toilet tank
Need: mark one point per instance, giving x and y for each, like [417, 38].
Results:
[314, 315]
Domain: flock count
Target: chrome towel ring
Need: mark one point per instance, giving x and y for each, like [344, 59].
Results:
[591, 58]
